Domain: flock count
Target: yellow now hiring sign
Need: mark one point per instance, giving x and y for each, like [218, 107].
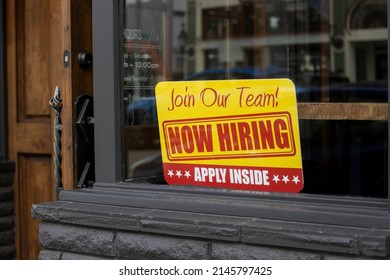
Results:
[240, 134]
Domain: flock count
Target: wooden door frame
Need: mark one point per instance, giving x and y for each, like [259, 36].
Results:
[76, 26]
[3, 94]
[14, 83]
[77, 37]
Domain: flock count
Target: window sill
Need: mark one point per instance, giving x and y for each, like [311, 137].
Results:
[353, 226]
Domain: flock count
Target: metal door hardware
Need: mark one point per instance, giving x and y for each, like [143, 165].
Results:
[56, 104]
[85, 59]
[85, 157]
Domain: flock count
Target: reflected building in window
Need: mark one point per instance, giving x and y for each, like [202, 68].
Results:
[306, 39]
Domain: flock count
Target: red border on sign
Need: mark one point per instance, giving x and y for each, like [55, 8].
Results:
[220, 155]
[249, 178]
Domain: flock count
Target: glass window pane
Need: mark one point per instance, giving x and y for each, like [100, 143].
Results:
[334, 51]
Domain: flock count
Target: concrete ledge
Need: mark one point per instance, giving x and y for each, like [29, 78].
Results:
[135, 233]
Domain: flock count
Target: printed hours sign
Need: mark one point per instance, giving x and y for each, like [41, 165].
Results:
[238, 134]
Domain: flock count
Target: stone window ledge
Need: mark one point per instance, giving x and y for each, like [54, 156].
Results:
[297, 221]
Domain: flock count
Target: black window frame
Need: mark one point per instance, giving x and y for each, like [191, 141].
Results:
[109, 187]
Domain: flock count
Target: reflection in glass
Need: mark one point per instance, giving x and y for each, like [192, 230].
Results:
[334, 52]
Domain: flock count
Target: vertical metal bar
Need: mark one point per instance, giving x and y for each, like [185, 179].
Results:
[56, 104]
[106, 17]
[3, 92]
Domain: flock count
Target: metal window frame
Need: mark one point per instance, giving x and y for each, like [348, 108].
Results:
[108, 136]
[107, 88]
[3, 87]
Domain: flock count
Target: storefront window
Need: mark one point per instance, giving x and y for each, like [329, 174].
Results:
[335, 52]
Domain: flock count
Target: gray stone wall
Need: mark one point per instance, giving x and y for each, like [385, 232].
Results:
[7, 219]
[74, 230]
[74, 242]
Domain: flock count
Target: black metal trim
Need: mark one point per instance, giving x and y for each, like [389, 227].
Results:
[85, 144]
